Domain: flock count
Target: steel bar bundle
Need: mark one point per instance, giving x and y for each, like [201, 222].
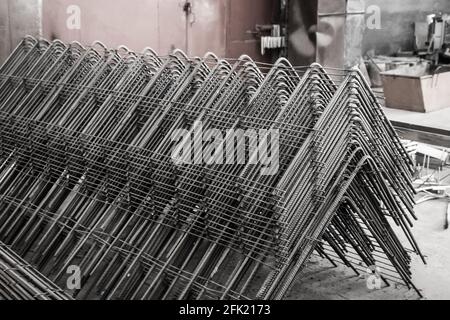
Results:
[20, 281]
[88, 177]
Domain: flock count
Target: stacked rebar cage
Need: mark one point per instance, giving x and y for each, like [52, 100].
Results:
[87, 176]
[20, 281]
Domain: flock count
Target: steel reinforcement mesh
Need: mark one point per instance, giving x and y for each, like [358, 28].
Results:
[87, 176]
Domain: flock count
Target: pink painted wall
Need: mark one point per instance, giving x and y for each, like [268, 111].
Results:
[18, 18]
[243, 16]
[207, 27]
[220, 26]
[160, 24]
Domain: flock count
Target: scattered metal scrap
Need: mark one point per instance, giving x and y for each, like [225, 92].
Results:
[87, 179]
[430, 162]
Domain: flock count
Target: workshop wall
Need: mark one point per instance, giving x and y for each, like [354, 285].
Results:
[397, 24]
[17, 19]
[220, 26]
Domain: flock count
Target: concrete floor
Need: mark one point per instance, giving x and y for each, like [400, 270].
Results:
[439, 119]
[322, 281]
[434, 277]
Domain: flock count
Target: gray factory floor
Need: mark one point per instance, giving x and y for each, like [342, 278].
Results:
[439, 119]
[323, 281]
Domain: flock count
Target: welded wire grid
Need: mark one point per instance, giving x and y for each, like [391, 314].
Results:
[19, 280]
[87, 178]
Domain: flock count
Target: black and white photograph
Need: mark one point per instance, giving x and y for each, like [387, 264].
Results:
[254, 153]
